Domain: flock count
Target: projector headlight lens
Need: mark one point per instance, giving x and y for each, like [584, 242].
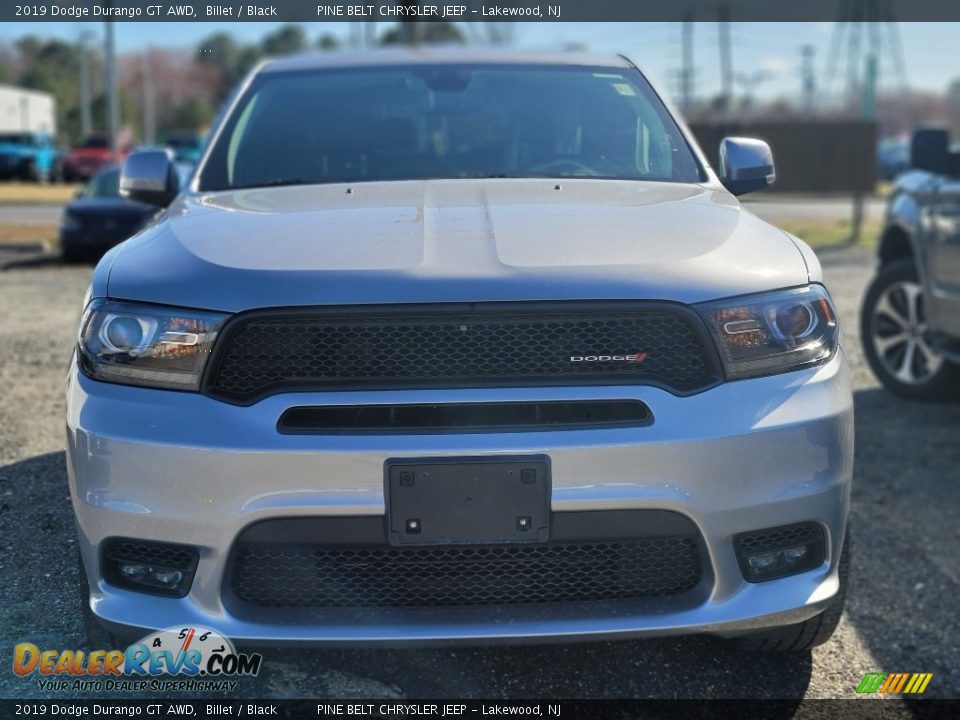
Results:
[773, 332]
[147, 345]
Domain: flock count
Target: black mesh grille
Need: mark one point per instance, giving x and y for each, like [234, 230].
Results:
[447, 346]
[779, 537]
[168, 556]
[382, 576]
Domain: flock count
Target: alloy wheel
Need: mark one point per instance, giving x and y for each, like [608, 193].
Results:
[900, 336]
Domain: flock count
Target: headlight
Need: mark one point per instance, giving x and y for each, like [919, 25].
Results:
[773, 332]
[70, 223]
[147, 345]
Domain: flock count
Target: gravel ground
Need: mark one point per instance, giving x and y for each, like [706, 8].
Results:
[901, 615]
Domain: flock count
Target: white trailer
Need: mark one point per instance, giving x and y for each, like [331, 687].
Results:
[23, 110]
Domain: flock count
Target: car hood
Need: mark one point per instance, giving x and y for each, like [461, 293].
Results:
[17, 150]
[107, 206]
[454, 240]
[89, 154]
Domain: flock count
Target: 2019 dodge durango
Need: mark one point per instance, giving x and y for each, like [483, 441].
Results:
[460, 346]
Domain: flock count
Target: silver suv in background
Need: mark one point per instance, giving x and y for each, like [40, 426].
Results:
[910, 317]
[460, 346]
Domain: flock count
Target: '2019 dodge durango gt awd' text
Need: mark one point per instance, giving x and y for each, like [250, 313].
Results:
[452, 346]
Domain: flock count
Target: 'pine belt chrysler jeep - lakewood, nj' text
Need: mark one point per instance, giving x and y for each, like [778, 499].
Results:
[460, 346]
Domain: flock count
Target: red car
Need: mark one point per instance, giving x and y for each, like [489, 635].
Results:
[88, 158]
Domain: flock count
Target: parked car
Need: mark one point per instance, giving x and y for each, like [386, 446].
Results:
[460, 346]
[28, 156]
[910, 316]
[893, 157]
[99, 218]
[85, 160]
[187, 145]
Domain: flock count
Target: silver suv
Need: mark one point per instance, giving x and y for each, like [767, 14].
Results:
[452, 346]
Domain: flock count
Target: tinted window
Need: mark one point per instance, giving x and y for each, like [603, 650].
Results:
[16, 138]
[95, 142]
[396, 123]
[105, 184]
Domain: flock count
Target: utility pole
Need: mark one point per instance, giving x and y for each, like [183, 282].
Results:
[86, 94]
[869, 18]
[867, 30]
[808, 80]
[726, 58]
[113, 106]
[149, 99]
[686, 71]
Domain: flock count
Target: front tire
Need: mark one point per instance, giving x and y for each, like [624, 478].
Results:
[895, 336]
[811, 633]
[71, 255]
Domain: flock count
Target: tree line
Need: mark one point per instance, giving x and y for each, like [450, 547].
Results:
[186, 89]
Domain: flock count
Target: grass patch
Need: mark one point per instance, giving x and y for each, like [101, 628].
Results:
[831, 233]
[17, 233]
[20, 193]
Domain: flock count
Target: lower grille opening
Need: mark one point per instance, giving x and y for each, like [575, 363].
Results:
[465, 417]
[777, 552]
[604, 565]
[149, 567]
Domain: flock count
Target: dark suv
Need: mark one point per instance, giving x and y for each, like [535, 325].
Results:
[910, 319]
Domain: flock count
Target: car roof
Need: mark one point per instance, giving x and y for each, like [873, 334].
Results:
[440, 55]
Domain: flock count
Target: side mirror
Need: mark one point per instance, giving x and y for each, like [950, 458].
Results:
[746, 165]
[930, 150]
[149, 176]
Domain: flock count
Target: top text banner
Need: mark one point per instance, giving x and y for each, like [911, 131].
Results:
[474, 11]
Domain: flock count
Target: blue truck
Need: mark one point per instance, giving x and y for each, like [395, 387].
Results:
[29, 156]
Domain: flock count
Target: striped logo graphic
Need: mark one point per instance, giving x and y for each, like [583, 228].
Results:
[905, 683]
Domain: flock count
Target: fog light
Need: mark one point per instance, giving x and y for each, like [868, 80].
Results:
[795, 554]
[763, 561]
[149, 567]
[132, 571]
[778, 552]
[169, 578]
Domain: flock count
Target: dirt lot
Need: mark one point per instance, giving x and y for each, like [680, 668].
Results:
[902, 613]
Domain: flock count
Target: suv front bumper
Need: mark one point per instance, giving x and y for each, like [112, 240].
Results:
[183, 468]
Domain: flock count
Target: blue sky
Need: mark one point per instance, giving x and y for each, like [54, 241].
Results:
[773, 47]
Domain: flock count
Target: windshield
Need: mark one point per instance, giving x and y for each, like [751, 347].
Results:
[180, 141]
[95, 142]
[420, 122]
[103, 185]
[16, 139]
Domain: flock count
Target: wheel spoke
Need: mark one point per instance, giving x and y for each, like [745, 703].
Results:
[912, 293]
[931, 358]
[886, 308]
[905, 371]
[883, 344]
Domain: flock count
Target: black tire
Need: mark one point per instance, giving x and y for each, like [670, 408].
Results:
[942, 383]
[29, 172]
[811, 633]
[70, 254]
